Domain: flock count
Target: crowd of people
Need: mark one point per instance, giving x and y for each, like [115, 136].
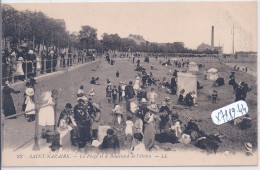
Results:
[23, 61]
[135, 128]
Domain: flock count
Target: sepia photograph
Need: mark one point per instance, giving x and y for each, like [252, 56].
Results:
[129, 84]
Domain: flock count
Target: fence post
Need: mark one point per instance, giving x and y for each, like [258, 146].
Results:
[45, 62]
[66, 60]
[51, 64]
[26, 70]
[36, 146]
[58, 63]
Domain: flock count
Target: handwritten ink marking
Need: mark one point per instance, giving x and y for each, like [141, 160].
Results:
[229, 112]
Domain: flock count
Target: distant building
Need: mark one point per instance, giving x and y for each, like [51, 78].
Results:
[138, 39]
[204, 47]
[245, 54]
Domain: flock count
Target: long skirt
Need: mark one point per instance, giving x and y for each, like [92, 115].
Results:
[149, 136]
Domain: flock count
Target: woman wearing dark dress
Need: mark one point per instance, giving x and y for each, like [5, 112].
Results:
[8, 103]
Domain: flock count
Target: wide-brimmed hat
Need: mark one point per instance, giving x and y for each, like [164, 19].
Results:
[248, 146]
[153, 108]
[143, 100]
[20, 59]
[29, 91]
[30, 52]
[13, 53]
[7, 83]
[185, 139]
[68, 105]
[164, 104]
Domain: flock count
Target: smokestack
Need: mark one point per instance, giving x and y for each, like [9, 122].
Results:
[212, 37]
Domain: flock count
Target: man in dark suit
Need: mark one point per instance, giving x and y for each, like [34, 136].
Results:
[129, 94]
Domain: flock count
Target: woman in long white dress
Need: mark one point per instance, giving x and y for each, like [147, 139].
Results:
[137, 84]
[19, 68]
[30, 104]
[123, 89]
[46, 113]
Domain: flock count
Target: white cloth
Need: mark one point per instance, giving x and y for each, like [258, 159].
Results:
[137, 85]
[119, 118]
[140, 148]
[80, 91]
[38, 64]
[133, 107]
[29, 105]
[123, 90]
[19, 69]
[129, 127]
[152, 96]
[46, 115]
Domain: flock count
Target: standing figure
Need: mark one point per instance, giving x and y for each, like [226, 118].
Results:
[149, 128]
[83, 121]
[173, 85]
[8, 103]
[30, 105]
[119, 88]
[19, 70]
[96, 121]
[46, 113]
[152, 96]
[214, 96]
[114, 94]
[117, 73]
[109, 92]
[137, 84]
[129, 94]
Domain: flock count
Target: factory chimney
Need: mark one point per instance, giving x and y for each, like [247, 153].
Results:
[212, 37]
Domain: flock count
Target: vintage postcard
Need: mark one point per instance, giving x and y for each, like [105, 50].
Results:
[129, 84]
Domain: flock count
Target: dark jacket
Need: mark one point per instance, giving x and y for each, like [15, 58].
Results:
[8, 103]
[110, 144]
[129, 92]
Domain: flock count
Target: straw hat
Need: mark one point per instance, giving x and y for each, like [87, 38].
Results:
[29, 91]
[20, 59]
[164, 104]
[143, 100]
[13, 54]
[185, 139]
[249, 146]
[7, 83]
[30, 52]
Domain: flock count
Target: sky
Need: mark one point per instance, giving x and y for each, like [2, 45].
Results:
[188, 22]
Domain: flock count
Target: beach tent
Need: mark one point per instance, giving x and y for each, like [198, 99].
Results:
[193, 66]
[186, 81]
[212, 74]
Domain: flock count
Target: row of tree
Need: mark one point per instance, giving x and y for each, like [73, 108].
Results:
[40, 29]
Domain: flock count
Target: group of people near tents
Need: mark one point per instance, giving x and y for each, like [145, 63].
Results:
[136, 128]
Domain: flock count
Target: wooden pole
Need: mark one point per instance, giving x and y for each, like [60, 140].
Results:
[44, 70]
[36, 146]
[26, 70]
